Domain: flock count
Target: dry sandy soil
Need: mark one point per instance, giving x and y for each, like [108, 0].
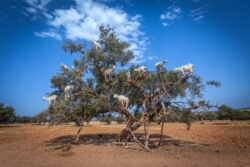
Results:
[213, 143]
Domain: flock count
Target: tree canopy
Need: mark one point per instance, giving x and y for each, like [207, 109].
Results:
[7, 114]
[153, 93]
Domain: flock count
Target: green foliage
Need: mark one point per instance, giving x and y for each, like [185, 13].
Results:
[226, 112]
[106, 118]
[93, 94]
[71, 47]
[24, 119]
[7, 114]
[41, 117]
[173, 117]
[187, 116]
[119, 119]
[207, 116]
[214, 83]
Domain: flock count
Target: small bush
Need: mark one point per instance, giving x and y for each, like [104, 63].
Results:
[106, 118]
[119, 119]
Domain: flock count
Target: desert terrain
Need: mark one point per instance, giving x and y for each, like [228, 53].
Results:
[214, 143]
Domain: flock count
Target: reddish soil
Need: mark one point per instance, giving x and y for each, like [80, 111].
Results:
[213, 143]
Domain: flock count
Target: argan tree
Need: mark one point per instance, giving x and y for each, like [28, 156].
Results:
[7, 114]
[98, 74]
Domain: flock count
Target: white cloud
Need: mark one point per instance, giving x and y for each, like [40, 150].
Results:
[82, 21]
[171, 15]
[165, 24]
[51, 33]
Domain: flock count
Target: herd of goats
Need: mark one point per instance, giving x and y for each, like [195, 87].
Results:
[122, 99]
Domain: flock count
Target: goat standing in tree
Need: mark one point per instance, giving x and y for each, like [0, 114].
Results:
[128, 76]
[51, 99]
[96, 44]
[108, 73]
[123, 100]
[159, 65]
[141, 70]
[67, 90]
[65, 68]
[185, 68]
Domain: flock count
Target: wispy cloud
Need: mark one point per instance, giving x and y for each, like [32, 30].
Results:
[50, 33]
[165, 24]
[38, 7]
[197, 10]
[38, 4]
[199, 13]
[82, 21]
[173, 13]
[198, 18]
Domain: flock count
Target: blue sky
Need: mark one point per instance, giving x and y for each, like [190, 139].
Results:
[211, 34]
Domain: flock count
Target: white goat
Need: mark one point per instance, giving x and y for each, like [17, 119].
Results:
[50, 99]
[67, 90]
[184, 68]
[141, 69]
[108, 72]
[123, 100]
[96, 44]
[65, 68]
[128, 76]
[159, 65]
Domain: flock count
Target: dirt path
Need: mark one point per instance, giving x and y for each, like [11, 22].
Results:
[210, 144]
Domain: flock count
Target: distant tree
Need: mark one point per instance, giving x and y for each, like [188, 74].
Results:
[7, 114]
[119, 119]
[173, 117]
[187, 117]
[211, 115]
[24, 119]
[106, 118]
[226, 112]
[41, 117]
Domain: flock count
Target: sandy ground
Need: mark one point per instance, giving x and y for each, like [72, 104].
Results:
[216, 143]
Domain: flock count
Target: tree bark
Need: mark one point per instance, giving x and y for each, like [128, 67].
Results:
[146, 128]
[162, 126]
[79, 131]
[140, 144]
[124, 134]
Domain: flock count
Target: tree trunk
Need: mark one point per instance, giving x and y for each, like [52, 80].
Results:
[188, 125]
[140, 144]
[79, 131]
[146, 128]
[124, 134]
[162, 126]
